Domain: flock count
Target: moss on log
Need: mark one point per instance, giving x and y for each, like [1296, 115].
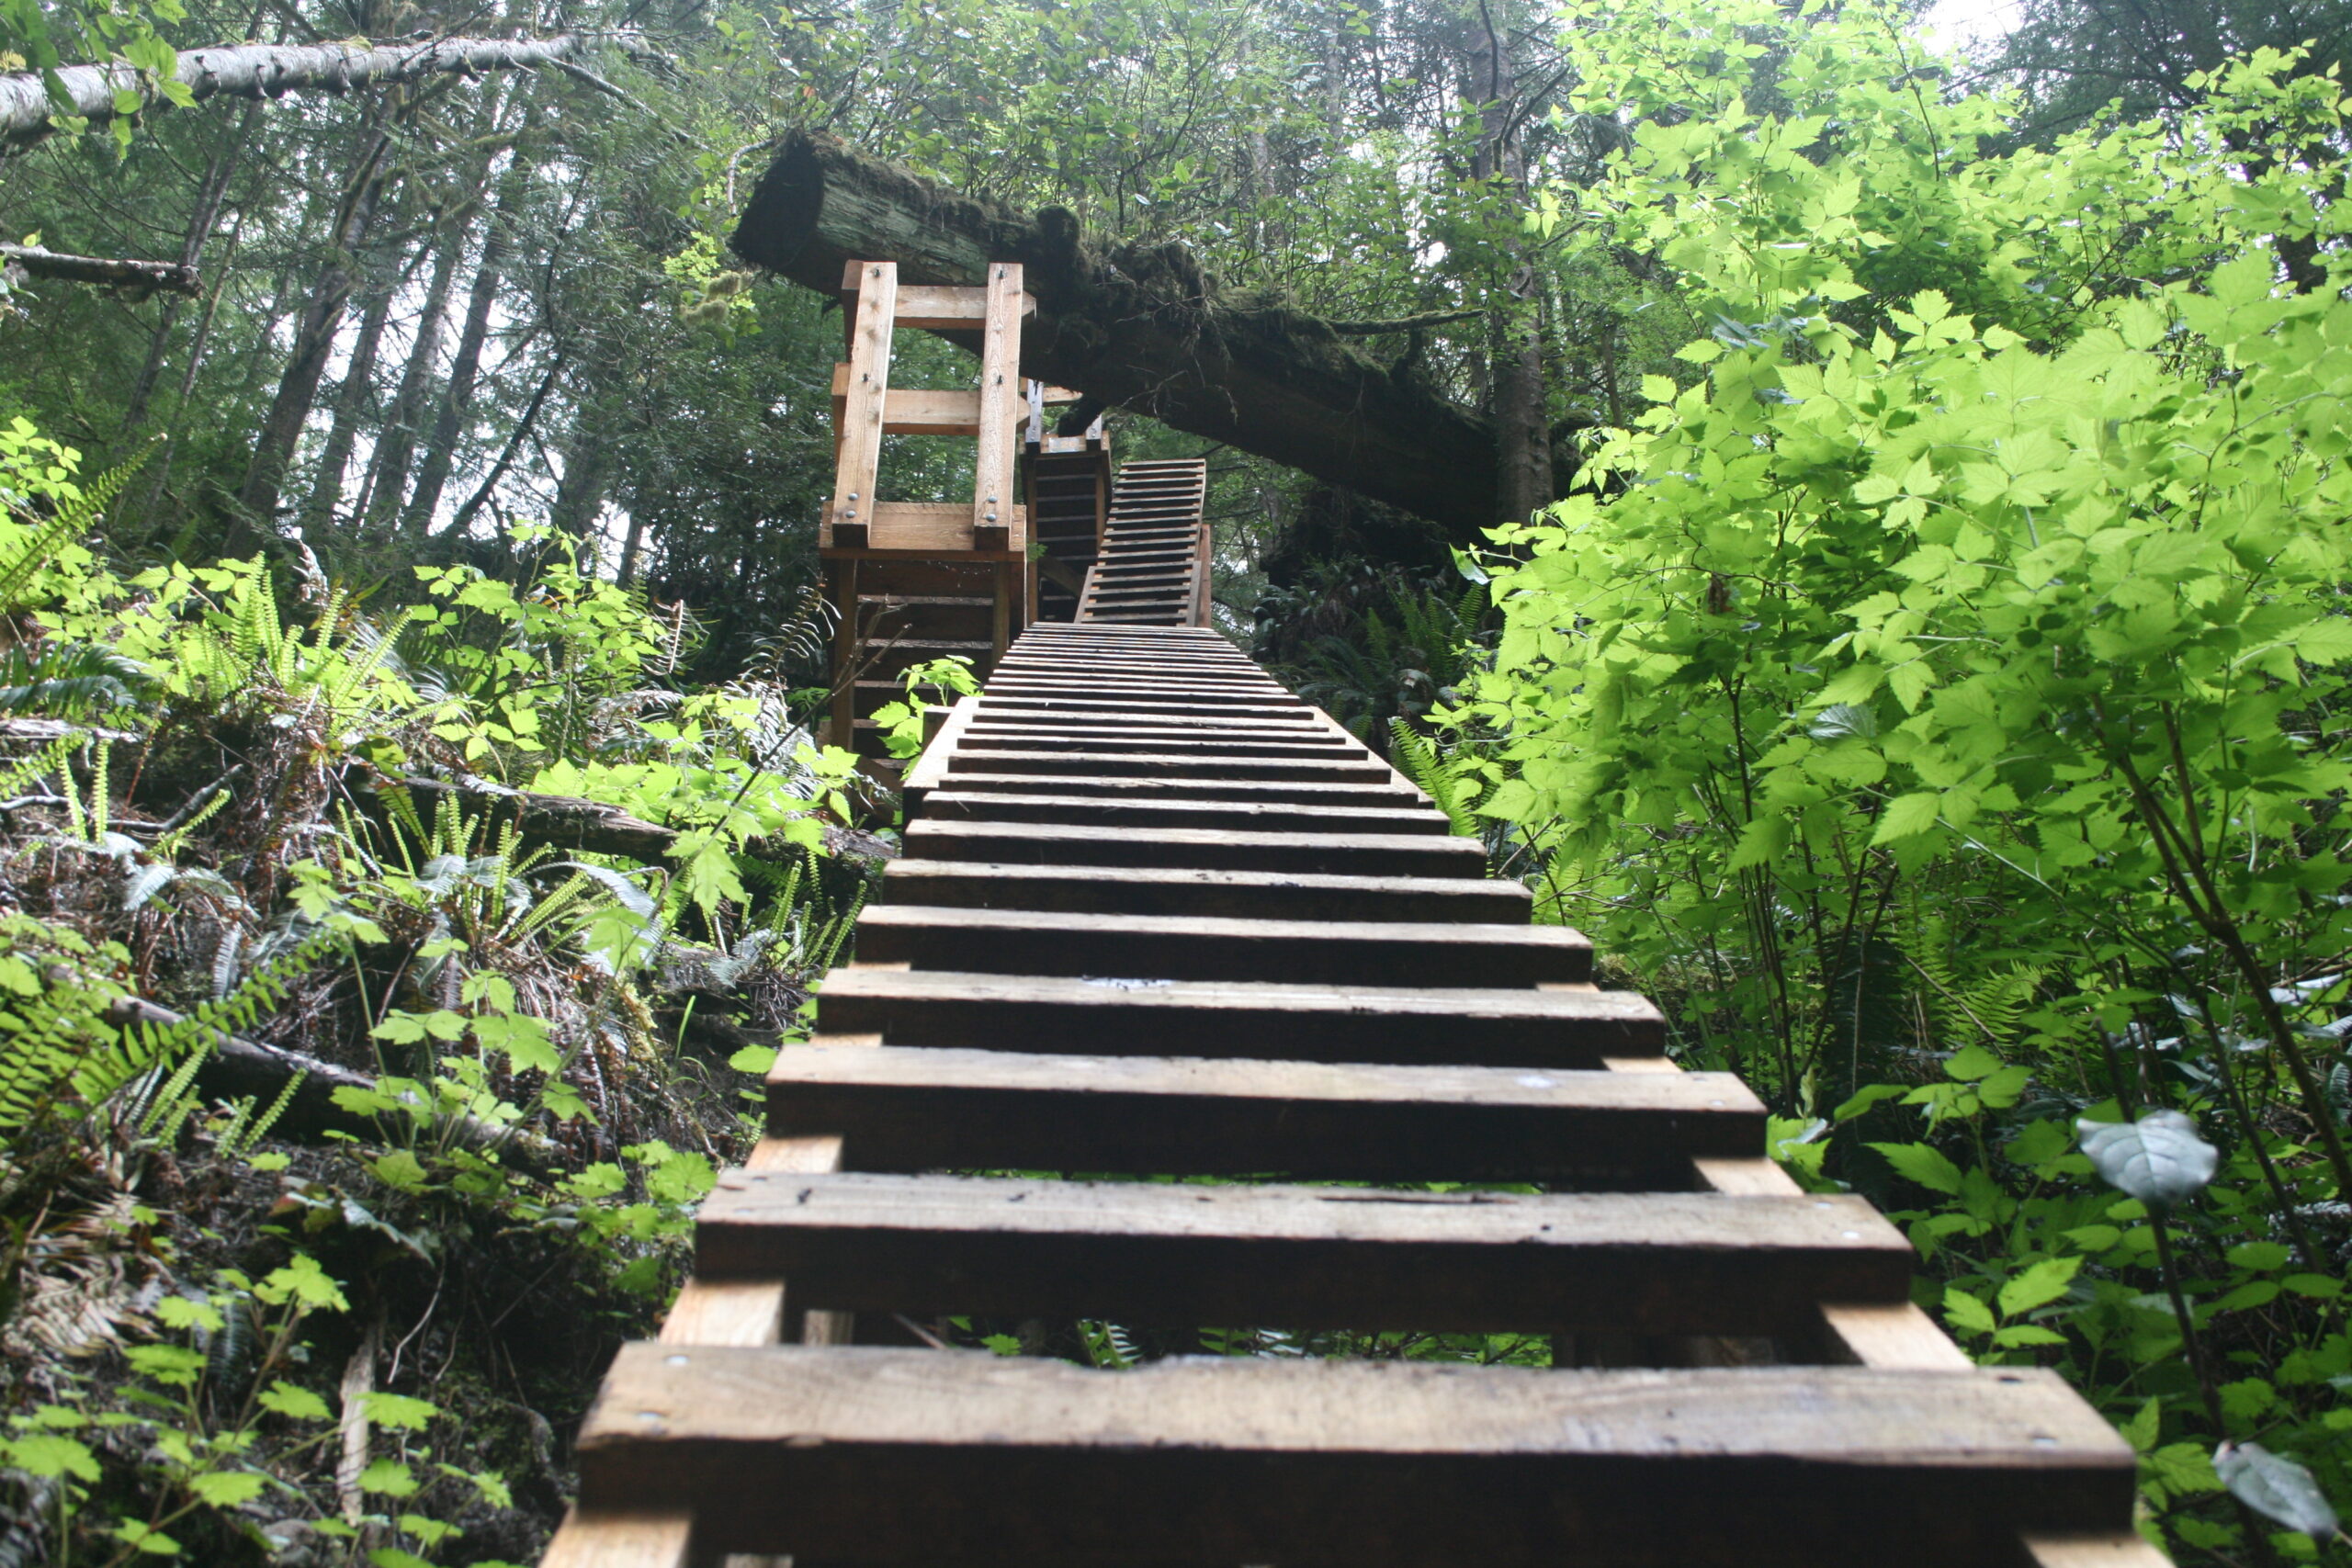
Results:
[1142, 327]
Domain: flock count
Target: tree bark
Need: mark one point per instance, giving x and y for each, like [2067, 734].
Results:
[202, 216]
[142, 276]
[1140, 327]
[297, 388]
[457, 400]
[379, 498]
[351, 398]
[263, 71]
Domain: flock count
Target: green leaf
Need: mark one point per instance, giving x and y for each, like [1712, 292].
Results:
[398, 1411]
[50, 1457]
[1928, 1167]
[755, 1059]
[226, 1489]
[2038, 1285]
[1907, 818]
[389, 1477]
[1965, 1313]
[294, 1403]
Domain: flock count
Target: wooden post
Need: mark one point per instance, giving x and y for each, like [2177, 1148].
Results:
[865, 394]
[842, 731]
[995, 524]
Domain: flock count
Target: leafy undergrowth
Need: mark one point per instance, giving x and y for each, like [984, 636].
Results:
[346, 1127]
[1935, 700]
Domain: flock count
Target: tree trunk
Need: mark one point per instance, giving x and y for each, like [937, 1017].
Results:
[1140, 327]
[202, 216]
[449, 423]
[1516, 393]
[297, 388]
[263, 71]
[351, 397]
[379, 498]
[515, 439]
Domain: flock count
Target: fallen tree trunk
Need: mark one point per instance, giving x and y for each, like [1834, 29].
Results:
[566, 822]
[140, 277]
[1143, 327]
[236, 1068]
[269, 70]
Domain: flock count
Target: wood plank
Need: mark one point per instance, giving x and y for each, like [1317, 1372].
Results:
[983, 806]
[907, 411]
[927, 1109]
[1330, 854]
[1156, 890]
[1166, 765]
[928, 527]
[1105, 742]
[930, 769]
[1177, 947]
[2120, 1549]
[934, 309]
[993, 494]
[1226, 1018]
[1294, 792]
[861, 425]
[726, 1312]
[1306, 1257]
[642, 1538]
[1224, 1461]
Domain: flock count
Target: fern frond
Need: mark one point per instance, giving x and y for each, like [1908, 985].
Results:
[1418, 757]
[73, 520]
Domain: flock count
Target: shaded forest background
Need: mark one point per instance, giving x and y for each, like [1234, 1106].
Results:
[356, 1105]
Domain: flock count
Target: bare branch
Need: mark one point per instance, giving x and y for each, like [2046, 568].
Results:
[145, 276]
[270, 70]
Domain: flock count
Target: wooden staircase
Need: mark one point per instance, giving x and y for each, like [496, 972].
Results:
[1157, 918]
[1154, 569]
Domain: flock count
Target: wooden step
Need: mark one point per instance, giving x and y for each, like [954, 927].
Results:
[912, 1109]
[917, 1457]
[959, 805]
[1069, 843]
[1166, 719]
[1379, 795]
[1104, 742]
[1203, 947]
[1155, 890]
[1303, 1257]
[1228, 1018]
[1167, 764]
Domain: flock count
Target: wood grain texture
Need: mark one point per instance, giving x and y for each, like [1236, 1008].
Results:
[2122, 1549]
[925, 1109]
[726, 1312]
[1019, 1460]
[1328, 854]
[1373, 792]
[1184, 947]
[990, 805]
[1309, 1257]
[867, 382]
[1157, 890]
[646, 1538]
[1207, 1018]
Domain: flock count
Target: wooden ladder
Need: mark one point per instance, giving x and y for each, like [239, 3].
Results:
[911, 582]
[1159, 918]
[1154, 569]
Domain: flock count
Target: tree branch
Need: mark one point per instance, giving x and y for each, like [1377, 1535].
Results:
[144, 276]
[269, 70]
[1402, 323]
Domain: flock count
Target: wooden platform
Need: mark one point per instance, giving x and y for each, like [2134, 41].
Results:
[1159, 920]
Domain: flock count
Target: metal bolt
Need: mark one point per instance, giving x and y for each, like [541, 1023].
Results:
[991, 516]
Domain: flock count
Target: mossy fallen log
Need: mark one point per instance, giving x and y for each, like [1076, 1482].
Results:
[1142, 327]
